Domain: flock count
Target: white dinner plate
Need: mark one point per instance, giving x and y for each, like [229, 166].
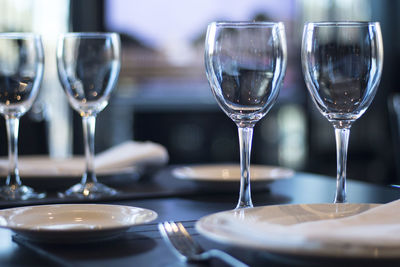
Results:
[45, 167]
[73, 223]
[230, 173]
[229, 227]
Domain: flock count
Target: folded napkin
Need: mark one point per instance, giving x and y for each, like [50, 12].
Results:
[122, 158]
[378, 226]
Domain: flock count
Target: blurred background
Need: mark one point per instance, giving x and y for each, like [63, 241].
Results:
[163, 94]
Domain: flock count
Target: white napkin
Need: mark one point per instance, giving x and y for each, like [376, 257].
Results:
[123, 158]
[378, 226]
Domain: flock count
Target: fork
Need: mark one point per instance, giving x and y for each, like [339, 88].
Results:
[182, 244]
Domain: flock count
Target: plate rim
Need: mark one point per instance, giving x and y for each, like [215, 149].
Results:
[20, 229]
[62, 172]
[176, 175]
[358, 252]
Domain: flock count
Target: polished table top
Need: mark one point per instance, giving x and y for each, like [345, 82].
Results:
[184, 201]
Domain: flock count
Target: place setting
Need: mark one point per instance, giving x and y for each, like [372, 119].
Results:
[88, 93]
[121, 165]
[69, 223]
[188, 133]
[337, 230]
[294, 229]
[138, 207]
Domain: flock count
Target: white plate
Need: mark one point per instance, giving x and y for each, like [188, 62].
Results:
[73, 223]
[218, 227]
[43, 166]
[230, 173]
[129, 157]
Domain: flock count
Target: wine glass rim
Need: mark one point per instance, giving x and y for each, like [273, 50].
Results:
[341, 23]
[19, 35]
[245, 23]
[89, 34]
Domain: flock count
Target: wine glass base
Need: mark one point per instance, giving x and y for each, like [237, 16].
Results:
[88, 191]
[21, 192]
[244, 206]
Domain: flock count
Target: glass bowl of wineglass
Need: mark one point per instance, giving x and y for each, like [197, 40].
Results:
[21, 72]
[342, 67]
[88, 67]
[245, 66]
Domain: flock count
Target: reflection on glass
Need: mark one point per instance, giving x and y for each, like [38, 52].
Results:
[342, 65]
[21, 71]
[88, 67]
[245, 65]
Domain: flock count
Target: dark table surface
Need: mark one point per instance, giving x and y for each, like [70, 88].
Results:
[184, 201]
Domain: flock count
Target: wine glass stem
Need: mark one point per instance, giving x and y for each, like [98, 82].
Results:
[342, 141]
[245, 139]
[89, 124]
[12, 124]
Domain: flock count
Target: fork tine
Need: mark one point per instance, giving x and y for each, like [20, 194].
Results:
[188, 238]
[186, 245]
[166, 233]
[178, 241]
[170, 231]
[173, 235]
[181, 243]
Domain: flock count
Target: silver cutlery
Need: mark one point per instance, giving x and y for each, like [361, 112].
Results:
[182, 244]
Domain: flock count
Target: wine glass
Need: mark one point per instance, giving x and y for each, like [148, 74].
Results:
[245, 66]
[21, 72]
[342, 66]
[88, 67]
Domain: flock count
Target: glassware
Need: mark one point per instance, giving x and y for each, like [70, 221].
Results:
[245, 66]
[342, 66]
[21, 72]
[88, 67]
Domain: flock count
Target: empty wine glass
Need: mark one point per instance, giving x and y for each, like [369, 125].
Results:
[21, 72]
[88, 67]
[342, 66]
[245, 66]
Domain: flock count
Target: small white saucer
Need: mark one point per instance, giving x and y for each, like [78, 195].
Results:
[73, 223]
